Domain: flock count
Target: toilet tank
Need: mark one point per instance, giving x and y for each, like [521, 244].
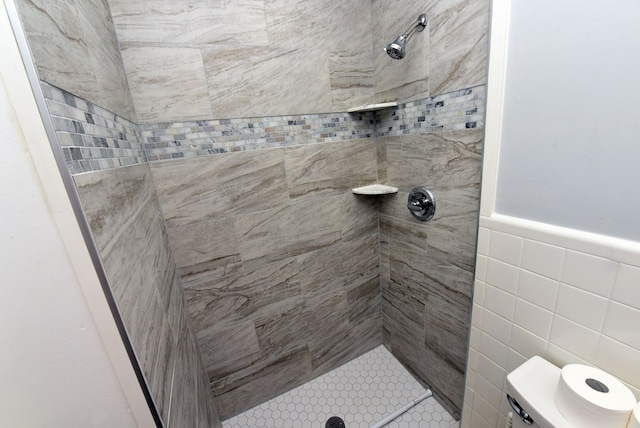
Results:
[532, 388]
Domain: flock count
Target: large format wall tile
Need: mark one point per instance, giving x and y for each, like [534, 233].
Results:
[273, 80]
[235, 22]
[260, 57]
[427, 268]
[167, 83]
[75, 48]
[192, 190]
[408, 78]
[127, 225]
[459, 36]
[279, 261]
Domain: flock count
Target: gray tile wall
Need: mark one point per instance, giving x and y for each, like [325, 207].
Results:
[258, 204]
[127, 225]
[210, 201]
[74, 46]
[279, 261]
[427, 268]
[280, 57]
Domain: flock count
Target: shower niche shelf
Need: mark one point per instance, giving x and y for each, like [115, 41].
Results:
[371, 107]
[375, 189]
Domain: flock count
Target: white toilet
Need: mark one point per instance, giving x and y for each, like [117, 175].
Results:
[576, 396]
[530, 391]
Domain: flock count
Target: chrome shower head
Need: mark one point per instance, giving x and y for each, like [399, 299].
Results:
[396, 49]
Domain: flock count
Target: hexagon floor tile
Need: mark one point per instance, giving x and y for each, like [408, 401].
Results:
[361, 392]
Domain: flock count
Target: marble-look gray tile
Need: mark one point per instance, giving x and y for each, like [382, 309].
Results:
[325, 24]
[162, 379]
[283, 331]
[459, 36]
[330, 168]
[250, 81]
[447, 318]
[225, 351]
[406, 79]
[404, 233]
[359, 216]
[144, 326]
[225, 302]
[329, 316]
[207, 412]
[407, 164]
[364, 303]
[194, 189]
[339, 267]
[256, 384]
[177, 308]
[447, 386]
[167, 83]
[351, 79]
[453, 160]
[452, 234]
[337, 339]
[205, 250]
[75, 48]
[183, 411]
[106, 61]
[276, 234]
[120, 210]
[381, 154]
[200, 21]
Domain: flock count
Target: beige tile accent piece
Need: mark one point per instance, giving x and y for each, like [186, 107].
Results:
[458, 54]
[250, 81]
[192, 190]
[167, 83]
[229, 22]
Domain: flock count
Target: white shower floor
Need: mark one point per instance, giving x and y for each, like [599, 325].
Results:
[361, 392]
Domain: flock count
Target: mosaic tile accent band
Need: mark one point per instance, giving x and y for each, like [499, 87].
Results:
[206, 137]
[458, 110]
[94, 139]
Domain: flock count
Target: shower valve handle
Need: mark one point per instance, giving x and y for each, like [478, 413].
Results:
[421, 203]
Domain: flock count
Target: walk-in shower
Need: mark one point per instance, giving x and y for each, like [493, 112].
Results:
[396, 49]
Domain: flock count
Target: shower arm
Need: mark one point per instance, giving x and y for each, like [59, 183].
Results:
[420, 25]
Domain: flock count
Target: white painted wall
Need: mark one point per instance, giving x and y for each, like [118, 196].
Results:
[570, 147]
[62, 363]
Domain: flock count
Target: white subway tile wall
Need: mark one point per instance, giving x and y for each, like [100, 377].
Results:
[568, 296]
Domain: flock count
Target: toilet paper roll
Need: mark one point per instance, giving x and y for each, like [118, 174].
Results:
[634, 422]
[591, 398]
